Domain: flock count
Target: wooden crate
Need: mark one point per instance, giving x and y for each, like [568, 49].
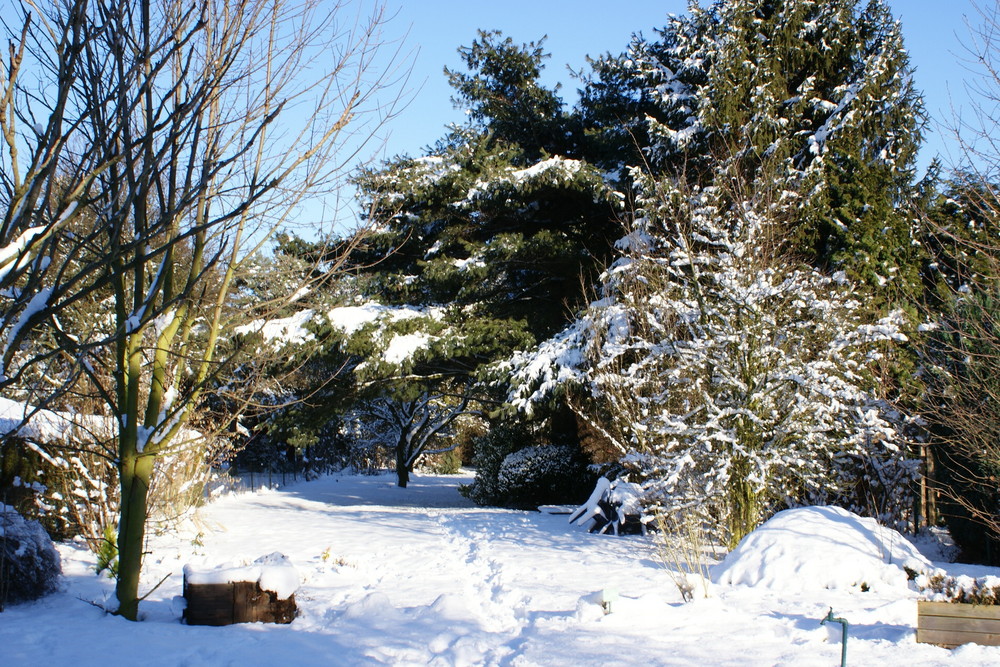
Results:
[238, 602]
[951, 624]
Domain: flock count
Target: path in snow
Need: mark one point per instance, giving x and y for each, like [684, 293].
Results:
[420, 576]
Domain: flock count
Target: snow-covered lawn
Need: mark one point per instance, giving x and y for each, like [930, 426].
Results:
[420, 576]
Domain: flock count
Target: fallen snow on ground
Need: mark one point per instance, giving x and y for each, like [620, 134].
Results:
[419, 576]
[811, 548]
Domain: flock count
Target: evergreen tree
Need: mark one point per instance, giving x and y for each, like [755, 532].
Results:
[816, 95]
[504, 99]
[962, 357]
[492, 238]
[733, 384]
[730, 377]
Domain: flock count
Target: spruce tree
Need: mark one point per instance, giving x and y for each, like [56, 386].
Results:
[733, 383]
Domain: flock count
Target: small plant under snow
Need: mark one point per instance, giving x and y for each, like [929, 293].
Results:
[939, 586]
[29, 563]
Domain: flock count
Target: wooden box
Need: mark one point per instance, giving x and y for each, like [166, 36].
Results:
[951, 624]
[238, 602]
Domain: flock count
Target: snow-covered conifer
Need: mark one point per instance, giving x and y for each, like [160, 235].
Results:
[814, 95]
[733, 381]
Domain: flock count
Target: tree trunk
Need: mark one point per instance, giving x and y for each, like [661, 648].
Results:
[135, 473]
[402, 470]
[928, 482]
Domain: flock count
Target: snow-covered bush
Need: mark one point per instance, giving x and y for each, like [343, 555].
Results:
[56, 470]
[489, 452]
[733, 381]
[29, 563]
[543, 474]
[514, 470]
[939, 586]
[816, 548]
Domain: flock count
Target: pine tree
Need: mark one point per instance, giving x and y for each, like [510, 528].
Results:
[503, 97]
[730, 376]
[489, 240]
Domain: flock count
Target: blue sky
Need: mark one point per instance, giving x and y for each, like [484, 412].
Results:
[934, 31]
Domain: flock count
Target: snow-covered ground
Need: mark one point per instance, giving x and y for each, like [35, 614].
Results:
[420, 576]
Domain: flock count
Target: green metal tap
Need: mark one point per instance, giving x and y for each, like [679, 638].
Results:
[843, 642]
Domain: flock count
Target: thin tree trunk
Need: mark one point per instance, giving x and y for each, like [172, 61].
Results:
[135, 473]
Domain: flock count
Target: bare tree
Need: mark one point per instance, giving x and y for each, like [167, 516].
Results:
[962, 231]
[152, 147]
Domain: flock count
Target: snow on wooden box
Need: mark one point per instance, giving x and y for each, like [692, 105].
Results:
[262, 592]
[954, 623]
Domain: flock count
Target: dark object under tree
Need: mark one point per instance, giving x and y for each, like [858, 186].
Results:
[235, 602]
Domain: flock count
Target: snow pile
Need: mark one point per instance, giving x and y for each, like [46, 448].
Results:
[273, 572]
[811, 548]
[31, 564]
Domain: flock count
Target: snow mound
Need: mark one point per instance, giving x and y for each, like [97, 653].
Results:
[811, 548]
[273, 572]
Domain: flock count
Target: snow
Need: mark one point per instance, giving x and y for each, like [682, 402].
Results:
[420, 576]
[347, 319]
[44, 429]
[14, 249]
[273, 572]
[290, 329]
[814, 548]
[47, 425]
[563, 167]
[35, 305]
[556, 169]
[351, 319]
[403, 346]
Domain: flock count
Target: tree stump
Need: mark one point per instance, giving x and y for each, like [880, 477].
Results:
[236, 602]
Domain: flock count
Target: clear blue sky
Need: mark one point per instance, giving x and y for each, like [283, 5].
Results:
[934, 31]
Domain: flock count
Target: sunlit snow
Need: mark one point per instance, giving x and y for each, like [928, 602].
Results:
[420, 576]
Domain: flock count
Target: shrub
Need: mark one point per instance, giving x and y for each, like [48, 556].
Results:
[107, 553]
[29, 563]
[445, 463]
[941, 587]
[489, 452]
[538, 475]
